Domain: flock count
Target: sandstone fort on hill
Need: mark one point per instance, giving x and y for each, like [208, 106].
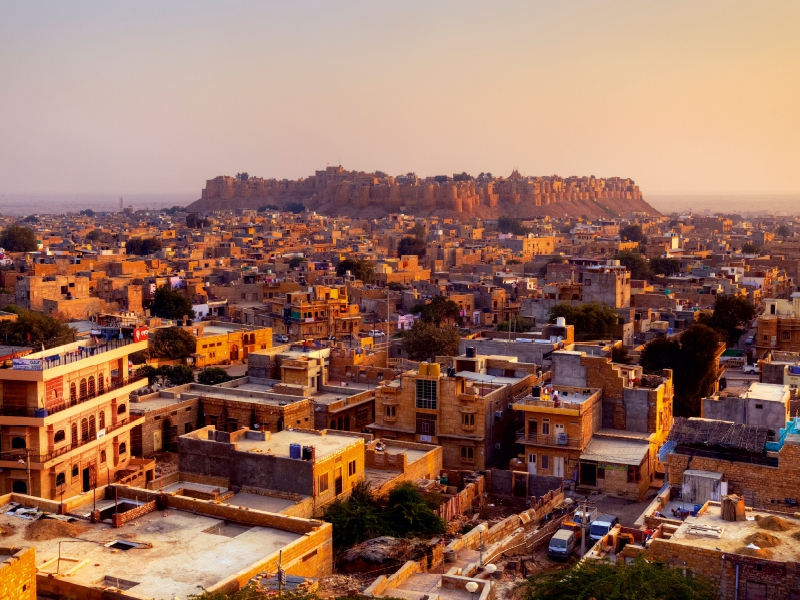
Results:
[336, 191]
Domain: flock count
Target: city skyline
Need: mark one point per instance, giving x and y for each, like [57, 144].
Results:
[146, 99]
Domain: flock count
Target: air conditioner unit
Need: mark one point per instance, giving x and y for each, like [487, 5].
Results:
[561, 439]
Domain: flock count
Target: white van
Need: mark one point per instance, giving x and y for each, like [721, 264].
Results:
[601, 526]
[561, 544]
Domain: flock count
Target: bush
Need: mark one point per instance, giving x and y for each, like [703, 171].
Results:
[33, 328]
[142, 246]
[213, 376]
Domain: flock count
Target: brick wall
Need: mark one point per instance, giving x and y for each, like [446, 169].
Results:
[18, 574]
[119, 519]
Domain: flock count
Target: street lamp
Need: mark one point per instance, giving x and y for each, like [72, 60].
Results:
[490, 569]
[480, 529]
[472, 587]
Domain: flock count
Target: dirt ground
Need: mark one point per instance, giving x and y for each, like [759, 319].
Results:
[627, 511]
[166, 463]
[500, 507]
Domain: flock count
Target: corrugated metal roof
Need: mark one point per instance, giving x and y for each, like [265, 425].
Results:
[615, 451]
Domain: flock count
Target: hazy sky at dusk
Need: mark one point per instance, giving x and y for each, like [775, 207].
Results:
[150, 97]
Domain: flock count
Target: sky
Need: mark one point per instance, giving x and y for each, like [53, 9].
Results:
[157, 97]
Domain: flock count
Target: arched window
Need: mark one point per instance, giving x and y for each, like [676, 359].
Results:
[103, 456]
[91, 385]
[101, 383]
[18, 442]
[61, 479]
[59, 437]
[83, 389]
[102, 421]
[75, 471]
[84, 429]
[72, 393]
[92, 428]
[123, 448]
[74, 434]
[121, 409]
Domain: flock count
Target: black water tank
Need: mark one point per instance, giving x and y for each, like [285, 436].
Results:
[536, 392]
[308, 451]
[470, 352]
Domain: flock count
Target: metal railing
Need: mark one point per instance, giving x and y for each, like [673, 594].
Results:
[66, 358]
[42, 458]
[551, 440]
[40, 413]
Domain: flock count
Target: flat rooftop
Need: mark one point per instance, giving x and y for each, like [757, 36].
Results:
[188, 550]
[324, 445]
[769, 392]
[709, 531]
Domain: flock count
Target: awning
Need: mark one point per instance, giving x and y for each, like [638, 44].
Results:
[615, 451]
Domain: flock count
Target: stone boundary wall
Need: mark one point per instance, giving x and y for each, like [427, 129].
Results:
[18, 571]
[119, 519]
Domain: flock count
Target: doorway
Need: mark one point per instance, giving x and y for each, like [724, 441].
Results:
[157, 444]
[532, 464]
[19, 487]
[558, 429]
[589, 474]
[558, 466]
[87, 479]
[338, 480]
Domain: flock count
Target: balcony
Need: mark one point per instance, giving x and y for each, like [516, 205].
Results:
[40, 413]
[66, 449]
[555, 441]
[78, 352]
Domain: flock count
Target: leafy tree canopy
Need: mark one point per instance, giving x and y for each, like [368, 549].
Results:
[637, 264]
[692, 358]
[412, 245]
[172, 375]
[94, 235]
[396, 286]
[295, 262]
[619, 354]
[642, 579]
[193, 221]
[556, 260]
[437, 310]
[783, 231]
[174, 209]
[358, 267]
[750, 248]
[518, 324]
[406, 512]
[213, 376]
[87, 212]
[171, 343]
[16, 238]
[463, 176]
[142, 246]
[242, 176]
[31, 219]
[731, 316]
[512, 225]
[665, 266]
[592, 321]
[267, 207]
[424, 341]
[632, 233]
[171, 304]
[33, 328]
[294, 207]
[418, 231]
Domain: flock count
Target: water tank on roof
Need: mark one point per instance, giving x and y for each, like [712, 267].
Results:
[434, 369]
[470, 351]
[561, 322]
[294, 451]
[423, 368]
[308, 452]
[536, 392]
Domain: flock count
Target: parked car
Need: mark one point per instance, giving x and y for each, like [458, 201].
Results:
[282, 339]
[601, 526]
[752, 369]
[377, 333]
[749, 340]
[561, 545]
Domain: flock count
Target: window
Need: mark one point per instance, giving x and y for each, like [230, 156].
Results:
[587, 282]
[83, 389]
[467, 454]
[92, 428]
[74, 434]
[61, 479]
[759, 406]
[102, 421]
[121, 409]
[426, 394]
[545, 426]
[84, 430]
[390, 411]
[468, 420]
[633, 474]
[323, 483]
[362, 415]
[18, 442]
[351, 468]
[426, 424]
[785, 335]
[59, 437]
[75, 471]
[73, 395]
[103, 456]
[101, 383]
[187, 428]
[123, 448]
[91, 385]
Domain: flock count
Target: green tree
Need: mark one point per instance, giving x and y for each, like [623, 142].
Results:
[783, 231]
[295, 262]
[171, 304]
[619, 354]
[425, 341]
[31, 219]
[440, 309]
[591, 321]
[665, 266]
[411, 245]
[213, 376]
[396, 286]
[731, 316]
[94, 235]
[148, 371]
[16, 238]
[692, 358]
[171, 343]
[360, 269]
[518, 324]
[172, 375]
[268, 207]
[243, 176]
[142, 246]
[408, 512]
[750, 248]
[512, 225]
[631, 233]
[642, 579]
[33, 328]
[193, 221]
[418, 231]
[88, 212]
[637, 264]
[556, 260]
[173, 209]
